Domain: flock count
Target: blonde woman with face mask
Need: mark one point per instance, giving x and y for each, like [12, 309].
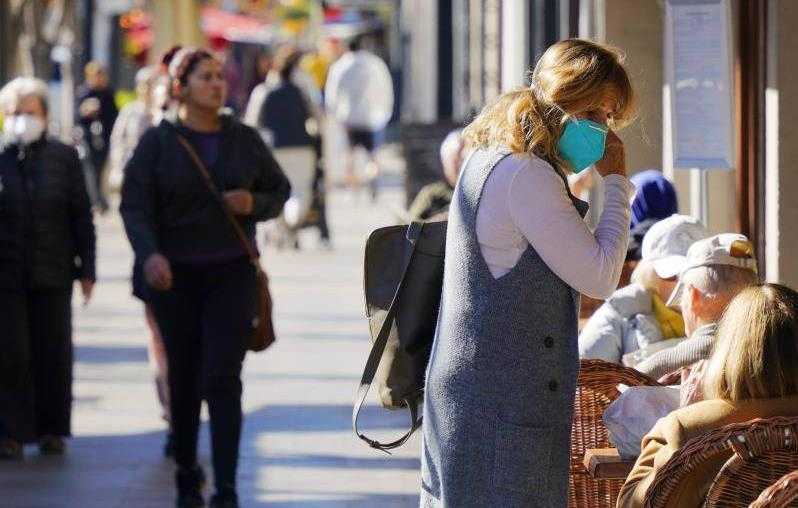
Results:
[502, 374]
[47, 240]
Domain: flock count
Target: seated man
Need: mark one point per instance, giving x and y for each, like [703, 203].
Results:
[717, 269]
[432, 202]
[753, 373]
[635, 317]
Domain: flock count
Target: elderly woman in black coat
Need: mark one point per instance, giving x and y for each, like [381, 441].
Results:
[47, 241]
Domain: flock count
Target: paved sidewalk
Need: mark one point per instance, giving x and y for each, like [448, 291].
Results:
[297, 448]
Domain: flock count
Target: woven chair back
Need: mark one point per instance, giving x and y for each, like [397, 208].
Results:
[597, 387]
[750, 457]
[782, 494]
[761, 457]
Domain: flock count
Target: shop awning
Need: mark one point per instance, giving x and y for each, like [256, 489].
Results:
[219, 24]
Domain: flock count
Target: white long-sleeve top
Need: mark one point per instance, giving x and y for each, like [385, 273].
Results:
[525, 202]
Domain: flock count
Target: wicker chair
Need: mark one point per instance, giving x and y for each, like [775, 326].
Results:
[596, 389]
[782, 494]
[751, 456]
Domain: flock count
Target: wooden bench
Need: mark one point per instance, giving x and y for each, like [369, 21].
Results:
[607, 464]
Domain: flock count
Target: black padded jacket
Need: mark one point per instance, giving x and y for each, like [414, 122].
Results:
[47, 236]
[168, 209]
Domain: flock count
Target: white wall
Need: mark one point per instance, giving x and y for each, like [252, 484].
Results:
[420, 89]
[515, 43]
[781, 140]
[103, 25]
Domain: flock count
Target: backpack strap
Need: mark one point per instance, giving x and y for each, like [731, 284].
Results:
[377, 350]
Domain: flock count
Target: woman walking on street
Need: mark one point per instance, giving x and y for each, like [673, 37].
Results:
[47, 240]
[157, 100]
[287, 118]
[202, 287]
[502, 376]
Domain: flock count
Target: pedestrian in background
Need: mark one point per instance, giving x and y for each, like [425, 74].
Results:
[133, 120]
[433, 200]
[299, 77]
[261, 66]
[48, 240]
[501, 378]
[96, 116]
[287, 120]
[201, 284]
[359, 96]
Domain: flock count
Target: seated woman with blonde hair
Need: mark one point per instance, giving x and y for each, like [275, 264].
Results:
[753, 373]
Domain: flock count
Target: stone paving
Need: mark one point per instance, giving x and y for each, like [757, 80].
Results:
[297, 449]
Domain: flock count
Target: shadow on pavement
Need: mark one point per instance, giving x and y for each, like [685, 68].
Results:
[110, 354]
[129, 470]
[320, 418]
[340, 462]
[348, 501]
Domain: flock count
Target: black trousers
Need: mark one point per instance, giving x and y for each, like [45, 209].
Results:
[35, 363]
[205, 320]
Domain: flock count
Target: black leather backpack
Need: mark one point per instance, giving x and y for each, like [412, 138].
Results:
[403, 280]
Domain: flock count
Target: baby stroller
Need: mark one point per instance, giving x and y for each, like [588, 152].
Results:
[306, 208]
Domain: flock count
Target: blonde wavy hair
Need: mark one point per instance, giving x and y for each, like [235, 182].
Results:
[756, 350]
[573, 76]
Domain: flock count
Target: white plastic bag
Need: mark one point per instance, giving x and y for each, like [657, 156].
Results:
[632, 415]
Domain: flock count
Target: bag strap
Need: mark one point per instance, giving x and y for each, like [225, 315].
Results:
[208, 181]
[377, 350]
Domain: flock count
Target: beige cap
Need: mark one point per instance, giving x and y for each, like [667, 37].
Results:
[729, 249]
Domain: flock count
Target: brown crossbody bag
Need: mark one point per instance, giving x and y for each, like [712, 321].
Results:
[262, 326]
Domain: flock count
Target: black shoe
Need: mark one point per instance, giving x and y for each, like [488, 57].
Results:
[229, 500]
[189, 487]
[169, 446]
[373, 190]
[52, 445]
[10, 449]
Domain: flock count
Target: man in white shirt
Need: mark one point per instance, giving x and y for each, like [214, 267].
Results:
[359, 95]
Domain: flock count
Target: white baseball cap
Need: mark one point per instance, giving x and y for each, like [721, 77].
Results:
[729, 249]
[667, 242]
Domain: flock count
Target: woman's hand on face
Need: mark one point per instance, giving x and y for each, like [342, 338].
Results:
[614, 160]
[158, 272]
[240, 201]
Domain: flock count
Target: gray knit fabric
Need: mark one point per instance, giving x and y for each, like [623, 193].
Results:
[501, 379]
[697, 347]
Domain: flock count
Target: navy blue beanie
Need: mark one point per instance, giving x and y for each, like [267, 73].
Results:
[655, 197]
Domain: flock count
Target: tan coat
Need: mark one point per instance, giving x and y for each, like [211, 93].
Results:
[673, 431]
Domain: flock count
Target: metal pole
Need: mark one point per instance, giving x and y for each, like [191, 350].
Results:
[5, 54]
[67, 97]
[700, 196]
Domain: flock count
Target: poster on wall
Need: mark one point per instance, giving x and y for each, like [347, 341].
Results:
[699, 76]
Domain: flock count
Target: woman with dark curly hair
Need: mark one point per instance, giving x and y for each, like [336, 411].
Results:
[201, 284]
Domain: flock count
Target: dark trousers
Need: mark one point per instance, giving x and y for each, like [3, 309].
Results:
[205, 320]
[35, 363]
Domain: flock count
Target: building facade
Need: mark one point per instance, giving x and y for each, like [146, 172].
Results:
[493, 44]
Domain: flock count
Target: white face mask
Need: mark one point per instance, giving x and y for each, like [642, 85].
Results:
[23, 129]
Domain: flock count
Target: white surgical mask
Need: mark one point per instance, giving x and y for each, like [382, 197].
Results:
[23, 129]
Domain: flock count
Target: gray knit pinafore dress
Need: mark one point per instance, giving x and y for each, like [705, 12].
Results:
[502, 375]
